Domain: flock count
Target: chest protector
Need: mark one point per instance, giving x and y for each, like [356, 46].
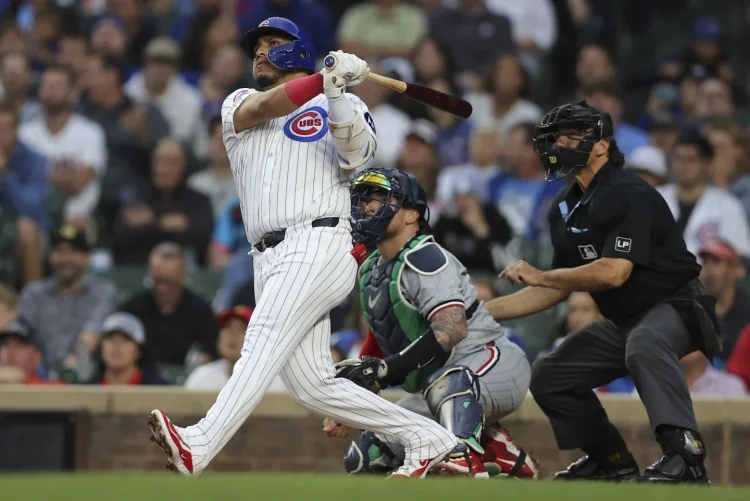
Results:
[394, 322]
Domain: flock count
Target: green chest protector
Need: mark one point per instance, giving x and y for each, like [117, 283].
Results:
[394, 322]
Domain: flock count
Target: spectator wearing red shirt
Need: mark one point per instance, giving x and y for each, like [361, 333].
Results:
[20, 357]
[739, 359]
[122, 357]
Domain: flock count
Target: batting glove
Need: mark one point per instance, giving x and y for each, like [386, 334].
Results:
[342, 70]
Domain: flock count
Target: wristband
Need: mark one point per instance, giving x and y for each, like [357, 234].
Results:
[420, 352]
[301, 90]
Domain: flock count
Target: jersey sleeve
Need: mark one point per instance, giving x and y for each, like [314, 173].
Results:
[433, 293]
[628, 235]
[228, 107]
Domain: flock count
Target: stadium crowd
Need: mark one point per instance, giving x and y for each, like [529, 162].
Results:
[123, 258]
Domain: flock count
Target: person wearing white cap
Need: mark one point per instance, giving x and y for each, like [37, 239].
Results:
[123, 360]
[650, 163]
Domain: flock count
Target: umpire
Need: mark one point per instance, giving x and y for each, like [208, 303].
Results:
[614, 236]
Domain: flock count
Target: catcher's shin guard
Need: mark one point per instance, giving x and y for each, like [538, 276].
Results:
[369, 455]
[452, 395]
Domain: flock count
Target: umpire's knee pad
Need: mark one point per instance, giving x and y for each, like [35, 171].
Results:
[369, 455]
[452, 395]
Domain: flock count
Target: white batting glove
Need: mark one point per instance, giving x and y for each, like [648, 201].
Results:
[342, 70]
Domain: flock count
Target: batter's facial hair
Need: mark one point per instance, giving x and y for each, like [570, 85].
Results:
[266, 81]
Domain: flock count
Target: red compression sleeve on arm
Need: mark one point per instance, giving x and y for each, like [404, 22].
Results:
[370, 347]
[301, 90]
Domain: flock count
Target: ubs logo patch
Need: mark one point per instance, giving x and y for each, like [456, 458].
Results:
[587, 252]
[308, 126]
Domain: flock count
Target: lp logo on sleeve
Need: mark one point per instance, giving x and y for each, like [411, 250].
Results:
[623, 244]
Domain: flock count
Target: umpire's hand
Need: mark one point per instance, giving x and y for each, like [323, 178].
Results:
[522, 273]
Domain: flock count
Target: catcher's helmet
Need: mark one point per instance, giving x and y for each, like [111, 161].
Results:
[297, 54]
[593, 124]
[395, 184]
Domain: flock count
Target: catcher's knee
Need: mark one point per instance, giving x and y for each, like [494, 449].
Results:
[452, 395]
[369, 455]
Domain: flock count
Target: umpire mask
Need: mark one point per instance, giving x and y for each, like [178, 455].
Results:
[579, 119]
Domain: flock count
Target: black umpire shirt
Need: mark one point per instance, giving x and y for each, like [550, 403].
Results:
[622, 216]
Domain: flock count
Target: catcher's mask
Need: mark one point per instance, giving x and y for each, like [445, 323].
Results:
[394, 190]
[579, 119]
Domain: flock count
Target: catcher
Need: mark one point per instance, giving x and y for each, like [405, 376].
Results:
[429, 335]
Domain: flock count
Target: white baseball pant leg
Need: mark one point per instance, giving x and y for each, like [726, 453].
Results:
[298, 282]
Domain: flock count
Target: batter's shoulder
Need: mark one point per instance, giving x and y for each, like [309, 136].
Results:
[427, 259]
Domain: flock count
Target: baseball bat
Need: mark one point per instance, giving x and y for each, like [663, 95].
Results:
[440, 100]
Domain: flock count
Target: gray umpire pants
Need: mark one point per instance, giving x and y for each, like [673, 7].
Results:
[649, 350]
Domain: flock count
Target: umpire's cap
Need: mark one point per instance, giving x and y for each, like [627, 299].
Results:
[297, 54]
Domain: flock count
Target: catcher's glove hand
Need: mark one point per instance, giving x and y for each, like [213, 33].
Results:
[362, 372]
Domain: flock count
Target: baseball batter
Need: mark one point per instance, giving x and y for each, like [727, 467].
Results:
[293, 148]
[431, 336]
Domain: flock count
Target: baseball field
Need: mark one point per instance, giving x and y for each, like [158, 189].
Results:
[267, 487]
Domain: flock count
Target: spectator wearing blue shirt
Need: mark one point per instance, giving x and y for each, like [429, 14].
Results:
[605, 98]
[453, 133]
[23, 172]
[314, 18]
[228, 236]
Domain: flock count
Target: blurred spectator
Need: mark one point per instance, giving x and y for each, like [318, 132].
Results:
[705, 57]
[663, 131]
[12, 40]
[453, 133]
[214, 375]
[432, 60]
[140, 26]
[506, 102]
[534, 27]
[237, 282]
[521, 194]
[470, 227]
[721, 271]
[194, 45]
[176, 319]
[714, 100]
[703, 379]
[8, 300]
[131, 130]
[605, 98]
[381, 28]
[476, 37]
[739, 360]
[229, 235]
[160, 83]
[650, 163]
[108, 38]
[392, 124]
[72, 54]
[74, 146]
[312, 16]
[66, 310]
[17, 81]
[730, 167]
[45, 32]
[20, 357]
[703, 212]
[169, 211]
[594, 66]
[216, 181]
[419, 157]
[23, 172]
[342, 344]
[122, 357]
[483, 158]
[224, 75]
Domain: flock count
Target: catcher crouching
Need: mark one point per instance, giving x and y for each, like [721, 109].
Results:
[431, 336]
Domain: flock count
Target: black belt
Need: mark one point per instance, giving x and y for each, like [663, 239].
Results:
[274, 238]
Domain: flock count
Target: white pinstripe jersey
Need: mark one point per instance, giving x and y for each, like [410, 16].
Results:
[287, 169]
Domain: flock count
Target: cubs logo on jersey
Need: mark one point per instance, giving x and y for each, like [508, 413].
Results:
[307, 126]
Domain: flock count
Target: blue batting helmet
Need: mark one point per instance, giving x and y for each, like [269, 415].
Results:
[401, 189]
[297, 54]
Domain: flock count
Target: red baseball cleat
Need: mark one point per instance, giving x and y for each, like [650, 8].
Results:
[418, 469]
[502, 457]
[469, 463]
[166, 436]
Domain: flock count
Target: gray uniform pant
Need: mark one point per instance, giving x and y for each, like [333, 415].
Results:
[649, 350]
[503, 372]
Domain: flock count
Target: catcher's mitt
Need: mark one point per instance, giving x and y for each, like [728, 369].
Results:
[362, 372]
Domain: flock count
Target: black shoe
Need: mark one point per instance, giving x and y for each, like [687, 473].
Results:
[587, 468]
[682, 461]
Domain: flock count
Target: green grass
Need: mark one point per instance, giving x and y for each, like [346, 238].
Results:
[266, 487]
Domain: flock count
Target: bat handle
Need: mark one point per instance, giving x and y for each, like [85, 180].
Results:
[330, 61]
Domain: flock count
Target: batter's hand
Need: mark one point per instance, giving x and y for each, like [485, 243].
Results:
[334, 429]
[342, 70]
[522, 273]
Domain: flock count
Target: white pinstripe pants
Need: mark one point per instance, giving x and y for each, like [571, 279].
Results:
[297, 283]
